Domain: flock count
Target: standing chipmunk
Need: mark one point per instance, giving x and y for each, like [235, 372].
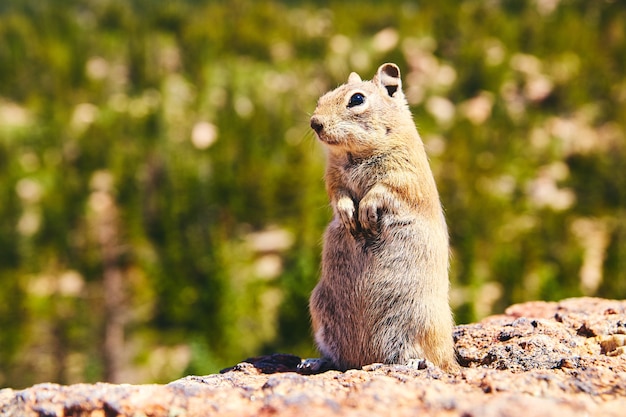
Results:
[383, 292]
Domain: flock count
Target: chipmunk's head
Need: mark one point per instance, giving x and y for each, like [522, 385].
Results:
[361, 116]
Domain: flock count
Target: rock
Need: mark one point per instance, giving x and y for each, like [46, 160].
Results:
[536, 359]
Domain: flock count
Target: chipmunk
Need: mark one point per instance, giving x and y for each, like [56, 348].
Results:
[383, 292]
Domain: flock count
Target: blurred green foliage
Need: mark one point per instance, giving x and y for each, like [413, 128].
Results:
[169, 141]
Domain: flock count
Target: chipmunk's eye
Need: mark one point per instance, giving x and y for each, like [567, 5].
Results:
[356, 100]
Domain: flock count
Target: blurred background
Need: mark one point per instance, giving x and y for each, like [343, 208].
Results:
[162, 198]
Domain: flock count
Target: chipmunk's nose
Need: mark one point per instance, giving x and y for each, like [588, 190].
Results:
[316, 125]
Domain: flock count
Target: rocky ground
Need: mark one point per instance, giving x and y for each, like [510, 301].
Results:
[563, 358]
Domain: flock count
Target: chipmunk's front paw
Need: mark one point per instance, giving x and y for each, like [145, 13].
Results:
[347, 214]
[370, 211]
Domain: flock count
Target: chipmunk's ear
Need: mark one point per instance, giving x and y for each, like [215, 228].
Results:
[388, 76]
[354, 78]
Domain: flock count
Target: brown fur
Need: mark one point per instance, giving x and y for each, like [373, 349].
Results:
[383, 291]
